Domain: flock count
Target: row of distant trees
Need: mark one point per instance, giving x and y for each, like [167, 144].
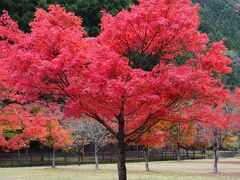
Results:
[20, 125]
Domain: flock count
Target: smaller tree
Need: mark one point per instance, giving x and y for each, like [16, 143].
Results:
[154, 138]
[90, 131]
[181, 135]
[55, 137]
[182, 128]
[79, 138]
[221, 123]
[18, 127]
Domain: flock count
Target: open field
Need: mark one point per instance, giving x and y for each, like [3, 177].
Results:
[168, 170]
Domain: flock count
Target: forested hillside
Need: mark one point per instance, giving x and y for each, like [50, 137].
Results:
[221, 19]
[235, 2]
[23, 10]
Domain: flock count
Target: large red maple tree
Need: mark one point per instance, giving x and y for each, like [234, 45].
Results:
[126, 78]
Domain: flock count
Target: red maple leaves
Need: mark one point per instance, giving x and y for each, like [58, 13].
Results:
[100, 76]
[18, 127]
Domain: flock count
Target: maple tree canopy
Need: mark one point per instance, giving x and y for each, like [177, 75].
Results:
[98, 75]
[126, 78]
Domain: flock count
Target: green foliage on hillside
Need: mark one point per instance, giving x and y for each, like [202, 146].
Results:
[219, 20]
[233, 79]
[23, 10]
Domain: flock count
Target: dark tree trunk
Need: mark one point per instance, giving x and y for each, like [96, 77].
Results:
[80, 149]
[146, 149]
[215, 156]
[121, 157]
[137, 153]
[121, 161]
[42, 156]
[65, 158]
[19, 156]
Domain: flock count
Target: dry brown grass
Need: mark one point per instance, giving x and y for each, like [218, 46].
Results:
[168, 170]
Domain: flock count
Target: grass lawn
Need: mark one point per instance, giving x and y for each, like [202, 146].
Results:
[168, 170]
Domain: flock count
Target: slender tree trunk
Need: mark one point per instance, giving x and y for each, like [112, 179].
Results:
[79, 157]
[178, 153]
[42, 156]
[19, 154]
[137, 153]
[65, 158]
[53, 158]
[146, 149]
[96, 155]
[26, 152]
[19, 157]
[121, 157]
[215, 164]
[205, 150]
[83, 150]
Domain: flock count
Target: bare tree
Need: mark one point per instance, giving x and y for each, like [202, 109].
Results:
[86, 130]
[79, 139]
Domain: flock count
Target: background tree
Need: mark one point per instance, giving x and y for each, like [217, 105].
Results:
[181, 136]
[154, 138]
[19, 127]
[55, 136]
[79, 138]
[183, 129]
[221, 123]
[92, 132]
